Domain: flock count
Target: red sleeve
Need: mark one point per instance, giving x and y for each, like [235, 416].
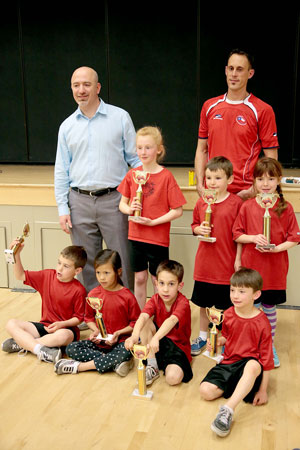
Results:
[196, 216]
[293, 232]
[124, 186]
[203, 126]
[265, 348]
[175, 196]
[268, 129]
[34, 279]
[239, 226]
[79, 304]
[150, 307]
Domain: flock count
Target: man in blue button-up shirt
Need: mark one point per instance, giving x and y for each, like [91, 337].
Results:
[95, 146]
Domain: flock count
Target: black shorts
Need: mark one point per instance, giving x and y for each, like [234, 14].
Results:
[227, 376]
[272, 297]
[209, 294]
[143, 254]
[42, 332]
[169, 353]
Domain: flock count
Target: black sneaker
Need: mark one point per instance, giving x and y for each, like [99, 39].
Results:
[221, 424]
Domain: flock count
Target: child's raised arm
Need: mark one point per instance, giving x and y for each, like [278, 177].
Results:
[19, 272]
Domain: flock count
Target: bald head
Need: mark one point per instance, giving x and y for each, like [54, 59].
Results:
[86, 88]
[87, 71]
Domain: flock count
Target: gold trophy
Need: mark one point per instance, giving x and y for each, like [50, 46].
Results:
[210, 197]
[10, 253]
[97, 303]
[266, 201]
[140, 177]
[216, 317]
[140, 353]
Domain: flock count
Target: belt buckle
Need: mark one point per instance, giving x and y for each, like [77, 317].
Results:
[91, 194]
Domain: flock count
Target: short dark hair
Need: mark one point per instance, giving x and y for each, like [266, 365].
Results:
[249, 278]
[237, 51]
[75, 253]
[220, 163]
[171, 266]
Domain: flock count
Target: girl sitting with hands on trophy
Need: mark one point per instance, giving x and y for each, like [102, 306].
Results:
[267, 227]
[116, 312]
[152, 199]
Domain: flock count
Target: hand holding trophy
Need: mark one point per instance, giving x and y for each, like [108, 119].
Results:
[216, 317]
[210, 197]
[140, 177]
[266, 201]
[140, 353]
[11, 252]
[97, 303]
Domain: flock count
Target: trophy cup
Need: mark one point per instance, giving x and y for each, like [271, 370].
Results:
[215, 316]
[210, 197]
[97, 303]
[140, 353]
[10, 253]
[140, 177]
[266, 201]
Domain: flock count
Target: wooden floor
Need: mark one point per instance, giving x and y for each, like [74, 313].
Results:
[41, 410]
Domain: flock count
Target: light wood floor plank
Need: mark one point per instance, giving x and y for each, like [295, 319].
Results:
[41, 411]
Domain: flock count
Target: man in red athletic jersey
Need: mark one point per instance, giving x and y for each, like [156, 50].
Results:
[236, 125]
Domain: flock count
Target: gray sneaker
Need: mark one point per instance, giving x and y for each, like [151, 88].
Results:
[10, 346]
[151, 374]
[49, 354]
[221, 424]
[124, 368]
[65, 366]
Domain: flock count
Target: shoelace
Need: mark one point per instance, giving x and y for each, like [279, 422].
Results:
[22, 352]
[224, 416]
[43, 356]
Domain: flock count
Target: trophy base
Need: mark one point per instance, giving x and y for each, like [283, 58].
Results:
[9, 256]
[206, 239]
[217, 358]
[108, 338]
[147, 396]
[266, 247]
[136, 219]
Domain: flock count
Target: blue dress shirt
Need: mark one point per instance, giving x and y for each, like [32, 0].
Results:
[93, 153]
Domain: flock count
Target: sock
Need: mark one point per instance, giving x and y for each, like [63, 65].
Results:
[257, 305]
[271, 313]
[37, 348]
[203, 335]
[152, 362]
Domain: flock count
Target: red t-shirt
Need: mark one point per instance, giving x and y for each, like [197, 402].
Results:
[120, 309]
[160, 194]
[181, 333]
[247, 338]
[214, 262]
[60, 301]
[273, 267]
[239, 132]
